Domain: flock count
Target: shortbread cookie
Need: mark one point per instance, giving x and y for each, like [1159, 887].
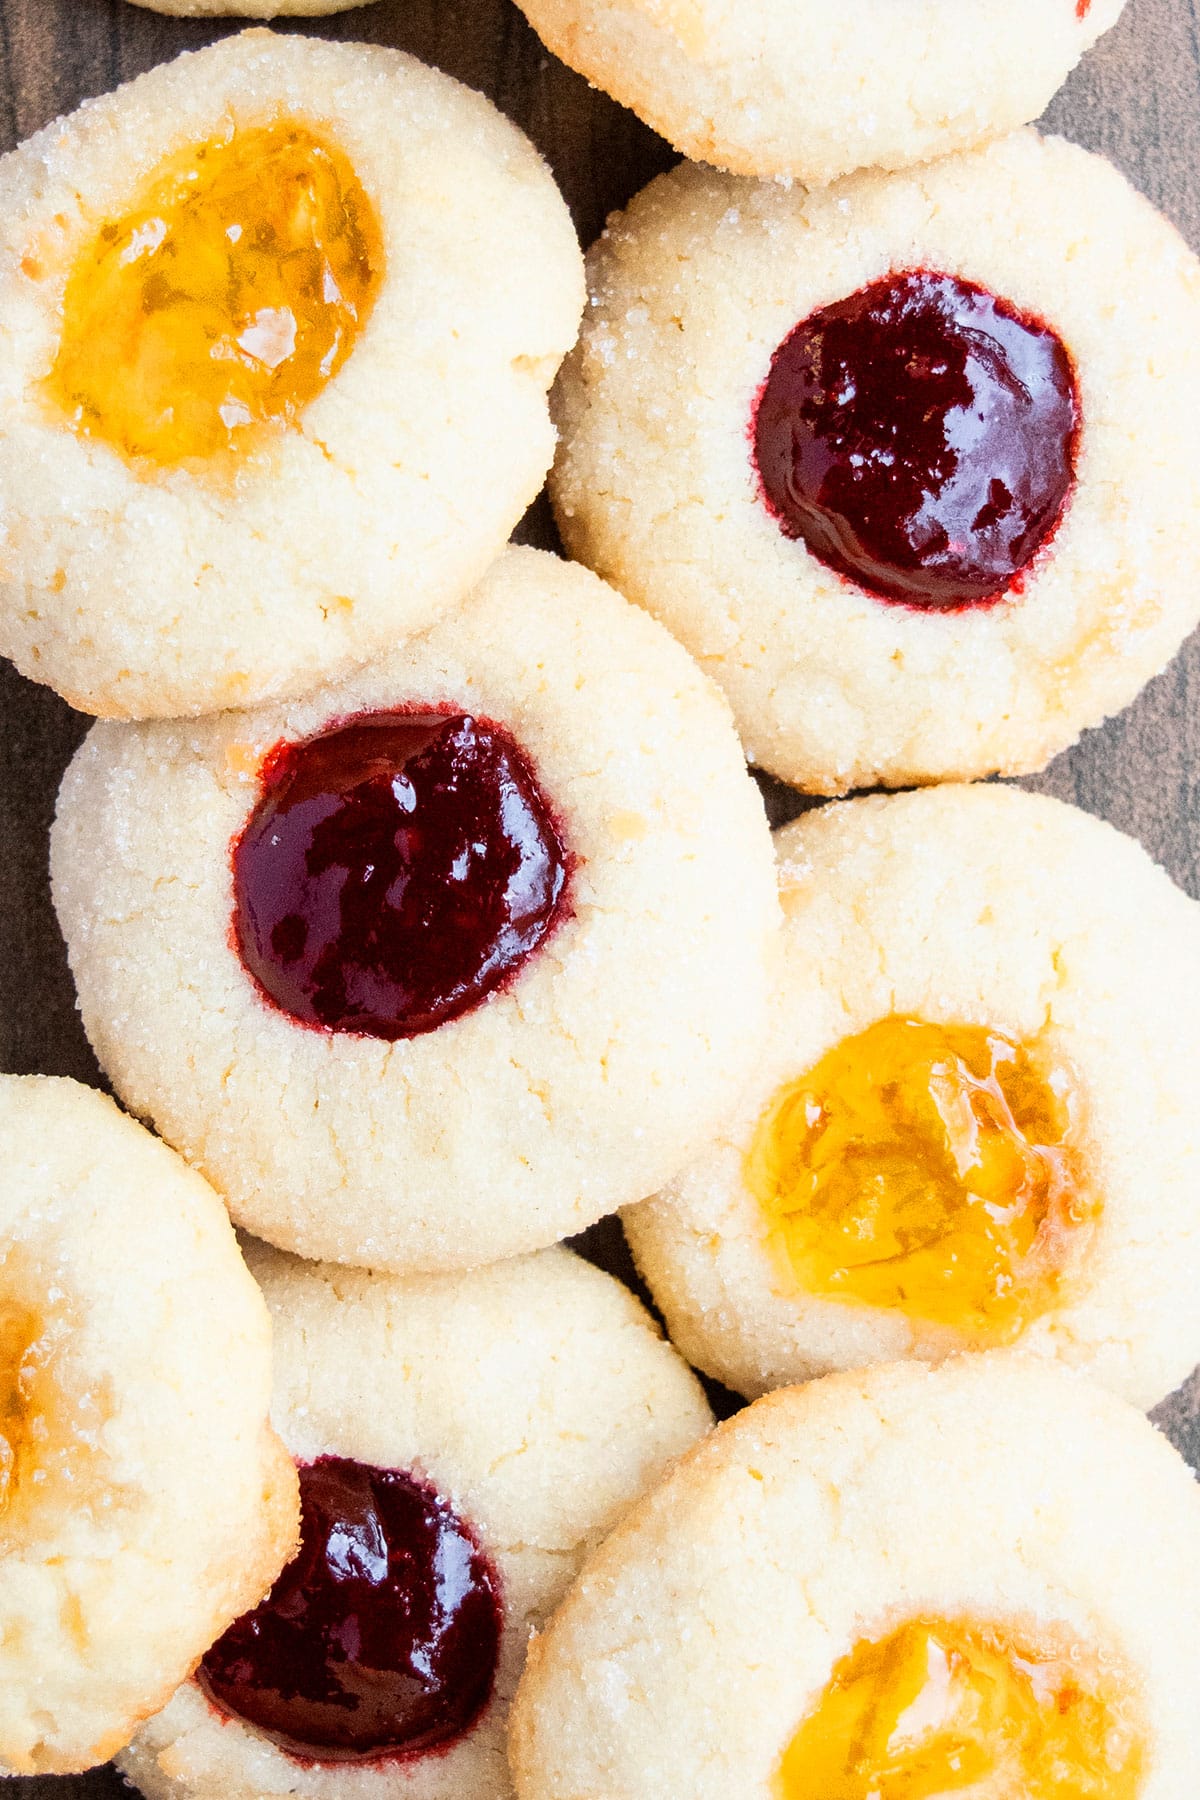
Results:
[972, 1119]
[809, 89]
[908, 464]
[279, 320]
[489, 1429]
[981, 1580]
[249, 9]
[144, 1500]
[442, 963]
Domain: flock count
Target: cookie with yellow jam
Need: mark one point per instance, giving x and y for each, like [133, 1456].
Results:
[906, 463]
[145, 1501]
[468, 950]
[804, 89]
[463, 1442]
[969, 1123]
[978, 1580]
[274, 390]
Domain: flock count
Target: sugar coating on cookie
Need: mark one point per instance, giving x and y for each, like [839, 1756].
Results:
[144, 1500]
[905, 463]
[362, 1078]
[971, 1119]
[274, 391]
[995, 1516]
[799, 88]
[535, 1398]
[249, 9]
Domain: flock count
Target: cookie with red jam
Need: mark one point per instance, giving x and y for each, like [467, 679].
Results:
[145, 1502]
[448, 960]
[281, 317]
[980, 1580]
[810, 90]
[462, 1442]
[907, 464]
[971, 1120]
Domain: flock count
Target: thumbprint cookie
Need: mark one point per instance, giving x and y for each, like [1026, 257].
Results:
[907, 464]
[980, 1580]
[972, 1118]
[444, 962]
[463, 1441]
[145, 1501]
[279, 321]
[813, 89]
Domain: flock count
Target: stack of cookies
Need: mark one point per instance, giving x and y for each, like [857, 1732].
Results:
[421, 903]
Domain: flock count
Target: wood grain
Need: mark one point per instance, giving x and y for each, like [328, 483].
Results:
[1136, 98]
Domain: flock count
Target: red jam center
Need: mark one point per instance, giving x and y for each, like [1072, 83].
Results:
[379, 1639]
[920, 437]
[394, 872]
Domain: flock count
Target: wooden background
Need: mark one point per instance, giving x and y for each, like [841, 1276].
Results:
[1136, 98]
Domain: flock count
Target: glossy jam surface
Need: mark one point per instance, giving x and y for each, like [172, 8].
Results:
[395, 871]
[26, 1349]
[222, 302]
[920, 438]
[929, 1168]
[952, 1707]
[380, 1639]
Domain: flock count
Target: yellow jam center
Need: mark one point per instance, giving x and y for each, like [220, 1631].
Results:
[941, 1708]
[222, 302]
[27, 1345]
[932, 1169]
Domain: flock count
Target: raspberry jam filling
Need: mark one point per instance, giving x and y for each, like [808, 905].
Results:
[930, 1169]
[942, 1707]
[223, 301]
[396, 870]
[920, 438]
[380, 1638]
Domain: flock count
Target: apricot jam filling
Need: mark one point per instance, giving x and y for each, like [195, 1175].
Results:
[222, 302]
[952, 1707]
[933, 1169]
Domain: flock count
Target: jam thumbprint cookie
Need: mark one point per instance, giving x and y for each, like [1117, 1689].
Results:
[908, 464]
[444, 962]
[145, 1501]
[249, 9]
[463, 1443]
[813, 89]
[280, 318]
[972, 1118]
[980, 1580]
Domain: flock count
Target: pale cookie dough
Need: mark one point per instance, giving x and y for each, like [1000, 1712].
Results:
[811, 89]
[536, 1396]
[145, 1500]
[580, 1087]
[706, 1628]
[975, 905]
[696, 285]
[142, 595]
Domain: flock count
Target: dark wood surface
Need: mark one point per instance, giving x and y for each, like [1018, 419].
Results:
[1136, 98]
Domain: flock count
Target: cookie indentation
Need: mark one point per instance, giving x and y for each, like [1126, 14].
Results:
[920, 437]
[939, 1707]
[222, 302]
[935, 1169]
[395, 871]
[380, 1638]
